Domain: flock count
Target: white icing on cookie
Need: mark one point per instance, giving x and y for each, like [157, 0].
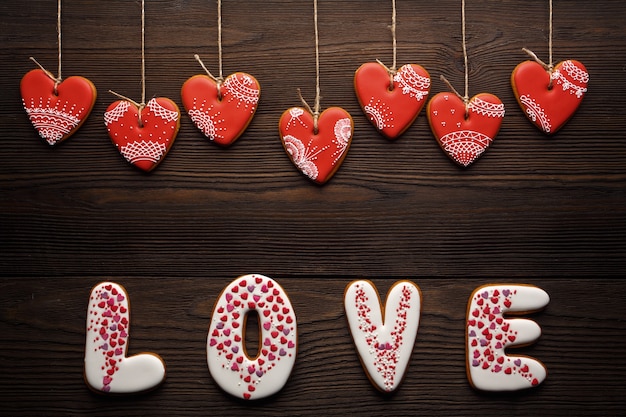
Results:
[229, 364]
[489, 333]
[384, 342]
[107, 369]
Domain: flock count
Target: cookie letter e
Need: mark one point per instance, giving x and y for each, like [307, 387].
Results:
[489, 333]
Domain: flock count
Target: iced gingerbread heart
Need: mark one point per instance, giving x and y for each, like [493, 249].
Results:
[56, 112]
[465, 132]
[319, 154]
[221, 112]
[391, 108]
[549, 99]
[144, 143]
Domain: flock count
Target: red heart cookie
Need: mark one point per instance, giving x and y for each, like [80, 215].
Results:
[56, 115]
[223, 118]
[143, 146]
[549, 107]
[391, 110]
[464, 139]
[317, 155]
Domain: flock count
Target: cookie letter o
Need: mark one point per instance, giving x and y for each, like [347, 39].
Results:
[229, 364]
[489, 333]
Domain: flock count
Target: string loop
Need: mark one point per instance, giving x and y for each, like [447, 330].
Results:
[58, 79]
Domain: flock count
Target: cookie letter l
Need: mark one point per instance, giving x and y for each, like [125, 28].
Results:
[107, 368]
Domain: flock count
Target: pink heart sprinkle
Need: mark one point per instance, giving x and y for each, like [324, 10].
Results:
[485, 294]
[230, 308]
[282, 352]
[123, 333]
[227, 332]
[506, 292]
[259, 373]
[267, 325]
[105, 336]
[235, 367]
[120, 297]
[250, 288]
[212, 342]
[107, 380]
[251, 369]
[291, 345]
[285, 331]
[118, 351]
[256, 297]
[271, 356]
[267, 342]
[229, 297]
[116, 318]
[517, 362]
[264, 288]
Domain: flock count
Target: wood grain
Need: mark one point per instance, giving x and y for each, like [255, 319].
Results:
[533, 209]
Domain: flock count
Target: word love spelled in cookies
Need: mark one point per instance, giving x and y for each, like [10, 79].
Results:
[383, 334]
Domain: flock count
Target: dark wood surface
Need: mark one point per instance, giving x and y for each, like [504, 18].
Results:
[533, 209]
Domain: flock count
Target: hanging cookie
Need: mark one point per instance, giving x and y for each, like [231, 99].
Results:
[222, 108]
[143, 133]
[56, 107]
[391, 98]
[549, 94]
[316, 143]
[464, 127]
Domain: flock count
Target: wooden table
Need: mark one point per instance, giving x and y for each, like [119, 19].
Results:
[549, 211]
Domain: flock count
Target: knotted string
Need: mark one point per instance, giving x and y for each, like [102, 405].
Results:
[316, 108]
[550, 65]
[464, 97]
[220, 79]
[57, 80]
[142, 105]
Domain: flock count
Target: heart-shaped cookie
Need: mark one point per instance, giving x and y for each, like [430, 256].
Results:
[317, 155]
[465, 137]
[391, 109]
[549, 99]
[107, 368]
[56, 115]
[225, 116]
[143, 145]
[384, 340]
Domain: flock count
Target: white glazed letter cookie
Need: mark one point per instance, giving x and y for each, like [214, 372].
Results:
[384, 340]
[489, 333]
[229, 364]
[107, 369]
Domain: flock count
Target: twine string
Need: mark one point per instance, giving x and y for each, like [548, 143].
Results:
[549, 66]
[57, 80]
[315, 111]
[219, 80]
[142, 105]
[465, 96]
